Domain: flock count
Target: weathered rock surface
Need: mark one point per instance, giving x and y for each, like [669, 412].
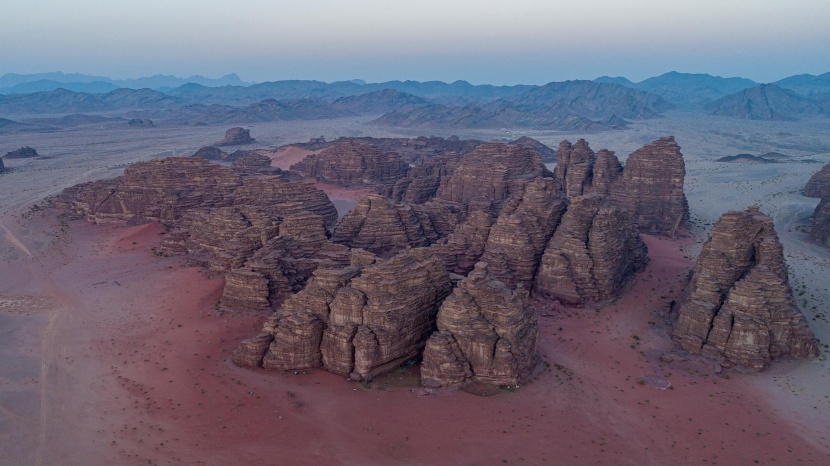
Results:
[236, 136]
[548, 154]
[518, 238]
[383, 227]
[463, 248]
[593, 253]
[22, 153]
[819, 183]
[422, 181]
[739, 308]
[575, 167]
[487, 333]
[354, 322]
[253, 163]
[354, 164]
[651, 187]
[489, 175]
[820, 221]
[211, 153]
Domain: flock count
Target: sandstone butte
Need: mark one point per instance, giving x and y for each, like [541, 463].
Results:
[236, 136]
[487, 333]
[650, 186]
[360, 296]
[819, 186]
[739, 308]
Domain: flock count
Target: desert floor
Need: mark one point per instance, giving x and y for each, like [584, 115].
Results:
[112, 355]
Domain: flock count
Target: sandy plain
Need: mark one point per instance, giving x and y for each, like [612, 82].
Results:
[112, 355]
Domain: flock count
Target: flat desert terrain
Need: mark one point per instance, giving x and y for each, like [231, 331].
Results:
[110, 354]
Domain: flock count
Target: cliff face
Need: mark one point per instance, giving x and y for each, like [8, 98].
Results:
[819, 183]
[358, 321]
[650, 186]
[354, 164]
[487, 333]
[820, 220]
[739, 309]
[592, 254]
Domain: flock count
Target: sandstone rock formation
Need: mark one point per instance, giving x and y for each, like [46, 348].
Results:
[489, 175]
[236, 136]
[487, 333]
[354, 164]
[548, 154]
[422, 181]
[210, 153]
[819, 183]
[463, 248]
[739, 308]
[383, 227]
[651, 187]
[252, 163]
[359, 321]
[593, 253]
[820, 220]
[22, 153]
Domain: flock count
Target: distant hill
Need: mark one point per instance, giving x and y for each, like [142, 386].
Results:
[378, 102]
[266, 110]
[806, 84]
[46, 85]
[569, 105]
[766, 102]
[68, 102]
[13, 83]
[685, 88]
[746, 158]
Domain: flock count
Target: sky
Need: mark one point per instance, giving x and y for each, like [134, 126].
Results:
[481, 41]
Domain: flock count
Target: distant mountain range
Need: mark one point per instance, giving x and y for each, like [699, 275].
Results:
[604, 103]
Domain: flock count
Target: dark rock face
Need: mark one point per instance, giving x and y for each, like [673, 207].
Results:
[359, 321]
[819, 183]
[354, 164]
[739, 308]
[820, 220]
[22, 153]
[252, 163]
[489, 175]
[382, 227]
[487, 333]
[140, 123]
[2, 167]
[210, 153]
[236, 136]
[591, 256]
[650, 186]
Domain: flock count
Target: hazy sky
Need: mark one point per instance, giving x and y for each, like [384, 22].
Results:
[482, 41]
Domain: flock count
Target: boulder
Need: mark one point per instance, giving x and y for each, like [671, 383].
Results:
[236, 136]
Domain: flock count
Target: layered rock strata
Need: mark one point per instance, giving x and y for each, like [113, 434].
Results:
[819, 183]
[383, 227]
[739, 308]
[356, 321]
[575, 167]
[487, 333]
[354, 164]
[591, 256]
[253, 163]
[820, 220]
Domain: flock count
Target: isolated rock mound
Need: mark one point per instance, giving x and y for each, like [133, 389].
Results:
[359, 321]
[22, 153]
[236, 136]
[739, 309]
[252, 163]
[210, 153]
[820, 220]
[592, 255]
[819, 183]
[354, 164]
[487, 333]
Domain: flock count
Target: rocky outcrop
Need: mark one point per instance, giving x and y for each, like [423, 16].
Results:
[422, 181]
[489, 175]
[359, 321]
[236, 136]
[210, 153]
[518, 238]
[548, 154]
[575, 167]
[739, 308]
[253, 163]
[463, 248]
[820, 221]
[651, 187]
[819, 183]
[383, 227]
[592, 255]
[487, 333]
[2, 167]
[354, 164]
[22, 153]
[607, 170]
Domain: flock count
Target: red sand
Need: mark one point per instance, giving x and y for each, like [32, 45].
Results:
[135, 370]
